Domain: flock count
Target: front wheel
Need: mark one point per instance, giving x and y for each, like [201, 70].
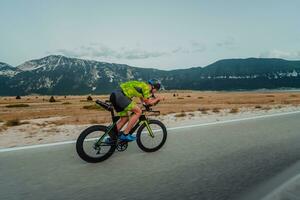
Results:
[91, 145]
[151, 136]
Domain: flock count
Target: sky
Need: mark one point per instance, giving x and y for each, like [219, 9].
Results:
[163, 34]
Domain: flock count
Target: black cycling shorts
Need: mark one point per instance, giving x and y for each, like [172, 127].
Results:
[119, 100]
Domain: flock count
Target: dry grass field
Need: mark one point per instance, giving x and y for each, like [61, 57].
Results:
[78, 110]
[34, 120]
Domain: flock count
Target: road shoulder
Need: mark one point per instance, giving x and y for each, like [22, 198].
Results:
[283, 186]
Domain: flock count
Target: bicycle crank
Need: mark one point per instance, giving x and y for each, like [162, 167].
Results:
[122, 146]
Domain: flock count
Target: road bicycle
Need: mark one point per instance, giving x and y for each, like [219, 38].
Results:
[91, 144]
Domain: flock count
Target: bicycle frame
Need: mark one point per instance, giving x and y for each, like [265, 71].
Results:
[142, 120]
[113, 126]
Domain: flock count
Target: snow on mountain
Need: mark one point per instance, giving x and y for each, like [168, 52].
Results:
[7, 70]
[46, 63]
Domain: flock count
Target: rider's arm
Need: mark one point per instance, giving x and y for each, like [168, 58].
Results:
[148, 98]
[151, 101]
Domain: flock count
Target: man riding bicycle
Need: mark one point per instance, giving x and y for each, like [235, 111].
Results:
[121, 99]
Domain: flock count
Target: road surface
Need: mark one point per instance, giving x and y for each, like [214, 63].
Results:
[222, 161]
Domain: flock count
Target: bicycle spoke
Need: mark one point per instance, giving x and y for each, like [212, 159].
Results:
[152, 142]
[90, 142]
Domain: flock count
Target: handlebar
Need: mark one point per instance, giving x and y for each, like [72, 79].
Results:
[149, 109]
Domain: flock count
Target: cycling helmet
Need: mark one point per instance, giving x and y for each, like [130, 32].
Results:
[155, 83]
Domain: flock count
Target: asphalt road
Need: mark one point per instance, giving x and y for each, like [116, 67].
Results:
[224, 161]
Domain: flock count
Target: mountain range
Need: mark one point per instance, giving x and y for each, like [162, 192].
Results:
[60, 75]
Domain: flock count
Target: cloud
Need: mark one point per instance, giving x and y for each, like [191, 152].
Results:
[229, 42]
[96, 50]
[101, 51]
[191, 47]
[180, 50]
[197, 46]
[280, 54]
[138, 54]
[177, 50]
[66, 52]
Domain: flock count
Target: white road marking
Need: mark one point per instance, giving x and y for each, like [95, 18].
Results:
[285, 190]
[173, 128]
[36, 146]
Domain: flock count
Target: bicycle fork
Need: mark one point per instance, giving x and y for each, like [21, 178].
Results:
[150, 132]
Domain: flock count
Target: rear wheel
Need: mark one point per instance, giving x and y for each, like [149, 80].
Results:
[148, 142]
[91, 145]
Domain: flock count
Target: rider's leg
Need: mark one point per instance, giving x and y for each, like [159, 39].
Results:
[134, 118]
[122, 122]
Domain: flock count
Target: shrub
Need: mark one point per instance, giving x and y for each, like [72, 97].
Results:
[188, 96]
[66, 103]
[258, 106]
[234, 110]
[17, 105]
[182, 114]
[293, 95]
[89, 98]
[200, 97]
[174, 95]
[14, 122]
[92, 107]
[216, 110]
[266, 108]
[203, 110]
[51, 100]
[18, 97]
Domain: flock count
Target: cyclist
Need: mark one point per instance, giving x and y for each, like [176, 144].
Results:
[121, 99]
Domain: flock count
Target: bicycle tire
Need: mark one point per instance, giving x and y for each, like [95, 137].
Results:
[140, 131]
[80, 149]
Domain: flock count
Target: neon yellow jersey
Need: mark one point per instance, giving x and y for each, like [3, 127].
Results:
[136, 89]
